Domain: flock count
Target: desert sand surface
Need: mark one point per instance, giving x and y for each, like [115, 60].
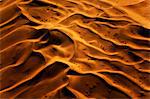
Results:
[75, 49]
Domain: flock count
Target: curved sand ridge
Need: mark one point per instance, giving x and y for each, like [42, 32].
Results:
[64, 49]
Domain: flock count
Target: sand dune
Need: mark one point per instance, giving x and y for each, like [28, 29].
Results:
[64, 49]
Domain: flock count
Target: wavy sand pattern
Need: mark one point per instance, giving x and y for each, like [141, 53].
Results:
[65, 49]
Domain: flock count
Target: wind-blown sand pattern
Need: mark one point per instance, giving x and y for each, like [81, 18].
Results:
[75, 49]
